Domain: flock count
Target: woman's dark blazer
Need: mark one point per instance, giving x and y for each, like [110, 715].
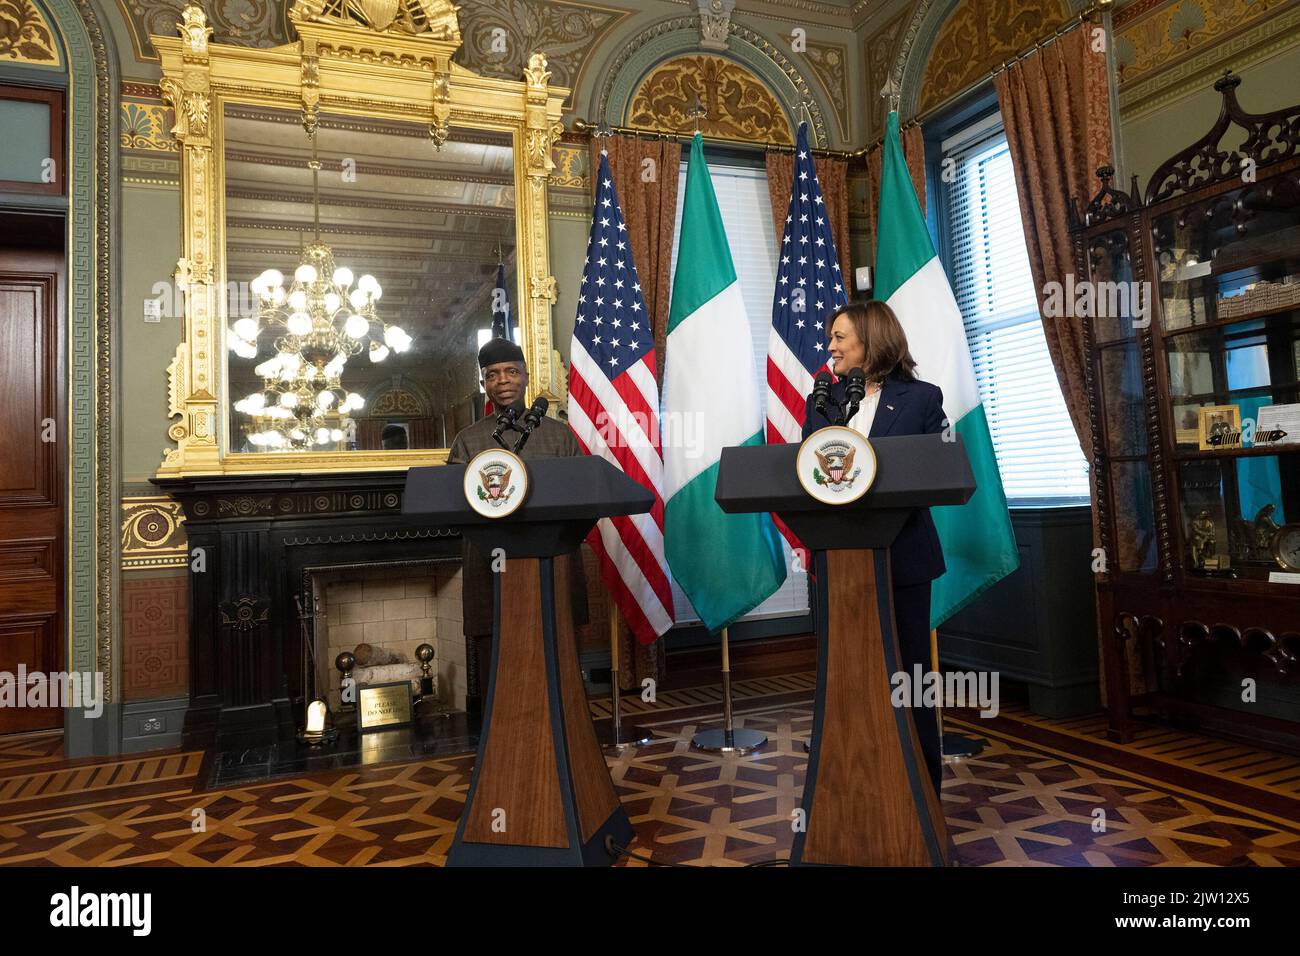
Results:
[906, 408]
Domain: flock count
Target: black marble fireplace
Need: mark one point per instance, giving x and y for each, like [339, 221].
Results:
[252, 541]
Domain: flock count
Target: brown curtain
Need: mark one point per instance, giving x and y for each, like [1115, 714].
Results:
[914, 154]
[368, 431]
[832, 175]
[648, 194]
[423, 432]
[1056, 111]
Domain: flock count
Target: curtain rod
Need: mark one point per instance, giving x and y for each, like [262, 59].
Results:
[1085, 15]
[585, 126]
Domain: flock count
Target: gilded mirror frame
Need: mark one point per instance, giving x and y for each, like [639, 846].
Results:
[344, 63]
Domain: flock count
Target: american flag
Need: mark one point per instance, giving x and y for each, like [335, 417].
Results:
[809, 288]
[502, 327]
[614, 411]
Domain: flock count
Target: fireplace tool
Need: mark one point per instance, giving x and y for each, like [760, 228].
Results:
[318, 725]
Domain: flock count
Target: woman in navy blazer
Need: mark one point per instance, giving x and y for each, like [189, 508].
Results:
[867, 335]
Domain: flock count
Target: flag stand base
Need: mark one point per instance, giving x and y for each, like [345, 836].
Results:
[727, 739]
[614, 740]
[617, 737]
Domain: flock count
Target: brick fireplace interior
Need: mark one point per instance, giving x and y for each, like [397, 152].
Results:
[395, 607]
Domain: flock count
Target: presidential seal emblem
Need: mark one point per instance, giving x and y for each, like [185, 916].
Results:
[836, 465]
[496, 482]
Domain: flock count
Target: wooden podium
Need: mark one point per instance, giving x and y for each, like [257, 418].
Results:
[540, 794]
[867, 798]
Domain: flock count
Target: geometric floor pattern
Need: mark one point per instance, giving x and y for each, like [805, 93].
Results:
[1259, 769]
[1019, 803]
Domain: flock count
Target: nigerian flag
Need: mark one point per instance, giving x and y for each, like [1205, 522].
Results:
[727, 564]
[978, 545]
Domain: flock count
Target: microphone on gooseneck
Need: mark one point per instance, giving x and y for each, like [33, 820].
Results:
[821, 391]
[855, 386]
[532, 418]
[509, 415]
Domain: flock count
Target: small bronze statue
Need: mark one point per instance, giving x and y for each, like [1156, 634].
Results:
[1265, 529]
[1203, 540]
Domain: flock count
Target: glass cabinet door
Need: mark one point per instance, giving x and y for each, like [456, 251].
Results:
[1229, 288]
[1120, 308]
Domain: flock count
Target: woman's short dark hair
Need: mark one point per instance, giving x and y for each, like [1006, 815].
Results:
[882, 334]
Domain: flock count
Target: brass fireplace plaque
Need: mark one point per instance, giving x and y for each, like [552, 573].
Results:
[380, 706]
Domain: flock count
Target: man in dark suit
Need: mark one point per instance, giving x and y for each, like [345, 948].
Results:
[868, 336]
[505, 379]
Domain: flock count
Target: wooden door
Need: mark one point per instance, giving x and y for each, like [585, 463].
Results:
[33, 434]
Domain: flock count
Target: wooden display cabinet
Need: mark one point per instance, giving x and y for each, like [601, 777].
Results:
[1195, 331]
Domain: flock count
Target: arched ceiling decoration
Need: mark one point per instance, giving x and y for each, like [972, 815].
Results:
[980, 35]
[738, 104]
[678, 38]
[397, 397]
[26, 36]
[949, 45]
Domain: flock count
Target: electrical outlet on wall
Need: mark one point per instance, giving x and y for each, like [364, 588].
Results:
[151, 725]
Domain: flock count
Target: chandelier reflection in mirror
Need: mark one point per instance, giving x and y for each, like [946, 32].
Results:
[311, 331]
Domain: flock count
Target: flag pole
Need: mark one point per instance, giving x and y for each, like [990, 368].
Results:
[728, 739]
[618, 738]
[952, 747]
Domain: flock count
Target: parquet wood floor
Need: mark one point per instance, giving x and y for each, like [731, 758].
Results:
[1041, 794]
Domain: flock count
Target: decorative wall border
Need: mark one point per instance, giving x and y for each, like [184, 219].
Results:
[91, 509]
[146, 125]
[1192, 74]
[152, 535]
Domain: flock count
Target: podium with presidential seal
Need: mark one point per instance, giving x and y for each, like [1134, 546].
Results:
[540, 793]
[867, 799]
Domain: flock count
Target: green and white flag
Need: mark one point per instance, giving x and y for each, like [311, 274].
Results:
[726, 564]
[978, 544]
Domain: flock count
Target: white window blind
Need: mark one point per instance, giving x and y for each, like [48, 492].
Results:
[751, 234]
[1037, 449]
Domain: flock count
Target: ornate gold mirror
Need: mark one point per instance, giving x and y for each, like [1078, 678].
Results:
[350, 204]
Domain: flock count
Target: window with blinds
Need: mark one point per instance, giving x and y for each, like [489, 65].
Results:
[1037, 449]
[751, 234]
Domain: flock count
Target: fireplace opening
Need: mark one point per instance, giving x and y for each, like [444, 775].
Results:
[393, 607]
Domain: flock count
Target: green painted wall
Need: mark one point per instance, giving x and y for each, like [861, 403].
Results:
[151, 235]
[1153, 137]
[568, 254]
